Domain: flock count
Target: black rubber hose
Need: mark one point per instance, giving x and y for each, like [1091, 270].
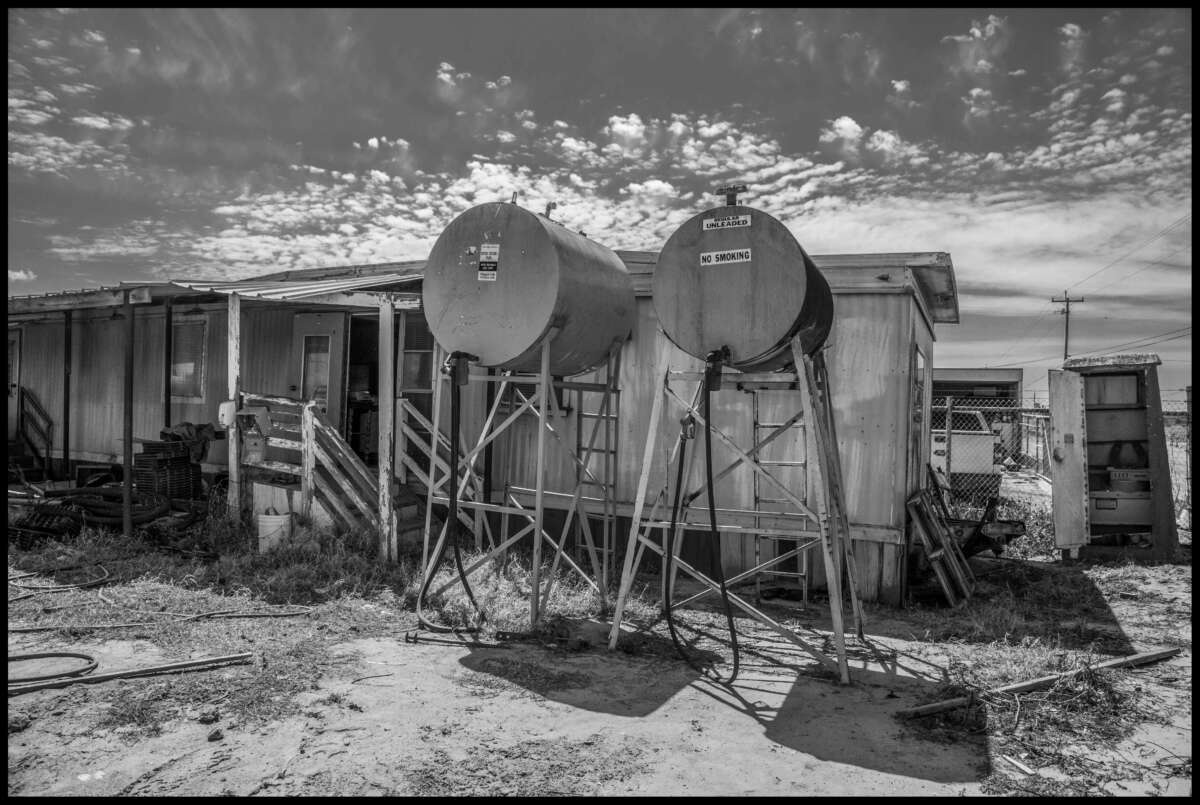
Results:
[714, 544]
[451, 525]
[147, 506]
[714, 551]
[80, 671]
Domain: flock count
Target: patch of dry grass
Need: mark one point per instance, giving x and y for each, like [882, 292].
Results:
[503, 592]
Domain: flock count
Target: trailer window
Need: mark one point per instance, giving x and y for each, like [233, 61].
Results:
[187, 360]
[315, 369]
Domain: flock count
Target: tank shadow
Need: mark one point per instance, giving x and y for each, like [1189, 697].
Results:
[800, 706]
[1056, 603]
[637, 679]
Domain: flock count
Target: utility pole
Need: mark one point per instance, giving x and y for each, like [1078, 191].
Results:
[1066, 297]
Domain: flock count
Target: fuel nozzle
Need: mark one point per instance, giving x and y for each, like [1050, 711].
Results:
[687, 428]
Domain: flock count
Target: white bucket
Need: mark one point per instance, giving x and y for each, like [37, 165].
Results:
[273, 528]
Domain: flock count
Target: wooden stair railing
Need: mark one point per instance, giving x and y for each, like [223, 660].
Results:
[328, 469]
[333, 471]
[35, 422]
[439, 459]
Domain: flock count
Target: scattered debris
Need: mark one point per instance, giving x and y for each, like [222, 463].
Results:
[1021, 766]
[1120, 662]
[169, 668]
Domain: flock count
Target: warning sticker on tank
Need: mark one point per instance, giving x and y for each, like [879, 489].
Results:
[489, 262]
[726, 222]
[721, 258]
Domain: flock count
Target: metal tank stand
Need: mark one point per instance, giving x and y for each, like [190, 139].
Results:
[826, 526]
[593, 470]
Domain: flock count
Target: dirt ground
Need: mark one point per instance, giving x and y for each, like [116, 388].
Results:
[444, 716]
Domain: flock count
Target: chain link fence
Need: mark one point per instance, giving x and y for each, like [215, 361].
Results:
[987, 448]
[975, 440]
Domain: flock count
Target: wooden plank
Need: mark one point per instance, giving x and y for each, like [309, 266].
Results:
[339, 452]
[1141, 658]
[434, 435]
[284, 444]
[77, 300]
[286, 403]
[650, 443]
[308, 459]
[346, 488]
[1068, 460]
[332, 501]
[955, 560]
[544, 397]
[932, 552]
[234, 377]
[401, 439]
[387, 427]
[276, 466]
[201, 664]
[424, 447]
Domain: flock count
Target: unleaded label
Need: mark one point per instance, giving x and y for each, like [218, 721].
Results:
[489, 262]
[726, 222]
[721, 258]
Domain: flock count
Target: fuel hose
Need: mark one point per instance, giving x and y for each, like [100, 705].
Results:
[712, 374]
[456, 367]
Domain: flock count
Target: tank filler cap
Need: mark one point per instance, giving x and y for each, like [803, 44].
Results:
[730, 192]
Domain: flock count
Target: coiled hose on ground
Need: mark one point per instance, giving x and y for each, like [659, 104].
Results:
[105, 505]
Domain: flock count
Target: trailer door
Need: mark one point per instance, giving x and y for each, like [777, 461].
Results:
[1068, 460]
[318, 365]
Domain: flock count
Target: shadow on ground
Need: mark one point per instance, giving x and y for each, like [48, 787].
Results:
[793, 698]
[1014, 599]
[635, 681]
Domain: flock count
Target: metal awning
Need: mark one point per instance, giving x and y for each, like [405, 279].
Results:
[348, 291]
[357, 291]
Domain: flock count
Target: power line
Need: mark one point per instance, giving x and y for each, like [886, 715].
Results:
[1028, 334]
[1162, 259]
[1024, 362]
[1135, 343]
[1149, 339]
[1179, 221]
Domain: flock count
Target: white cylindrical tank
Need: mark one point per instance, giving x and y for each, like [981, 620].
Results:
[734, 276]
[499, 277]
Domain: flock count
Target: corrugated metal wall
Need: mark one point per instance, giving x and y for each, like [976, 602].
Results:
[98, 367]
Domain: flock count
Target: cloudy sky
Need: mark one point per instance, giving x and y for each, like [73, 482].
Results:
[1046, 150]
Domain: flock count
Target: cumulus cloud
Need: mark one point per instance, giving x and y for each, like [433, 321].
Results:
[1072, 42]
[842, 136]
[21, 275]
[103, 123]
[982, 49]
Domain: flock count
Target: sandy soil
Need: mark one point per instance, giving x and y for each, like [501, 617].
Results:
[443, 717]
